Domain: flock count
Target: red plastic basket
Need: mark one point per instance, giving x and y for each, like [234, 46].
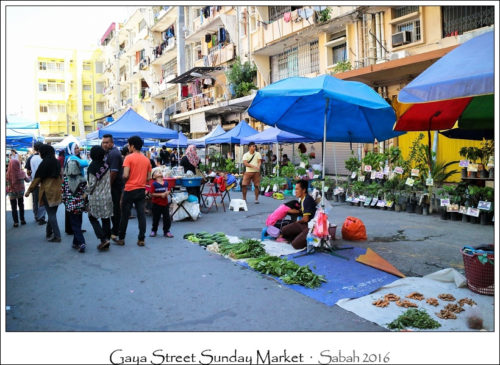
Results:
[171, 182]
[480, 277]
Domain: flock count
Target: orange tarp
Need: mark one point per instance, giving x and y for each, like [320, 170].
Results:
[371, 258]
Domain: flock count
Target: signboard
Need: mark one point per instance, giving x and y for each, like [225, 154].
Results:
[389, 203]
[381, 203]
[415, 172]
[361, 178]
[387, 170]
[463, 163]
[452, 208]
[379, 175]
[484, 205]
[398, 170]
[472, 167]
[473, 212]
[445, 202]
[429, 181]
[367, 202]
[409, 181]
[362, 198]
[374, 202]
[372, 175]
[368, 168]
[462, 209]
[353, 175]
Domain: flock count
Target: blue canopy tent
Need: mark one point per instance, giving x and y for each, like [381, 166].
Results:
[130, 124]
[234, 135]
[180, 141]
[17, 139]
[200, 142]
[17, 122]
[325, 108]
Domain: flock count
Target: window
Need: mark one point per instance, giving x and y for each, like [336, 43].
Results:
[73, 128]
[400, 11]
[169, 68]
[42, 66]
[295, 61]
[61, 108]
[60, 66]
[87, 87]
[52, 87]
[99, 66]
[43, 109]
[460, 19]
[339, 53]
[253, 19]
[87, 108]
[413, 27]
[42, 87]
[142, 25]
[100, 107]
[86, 66]
[52, 108]
[88, 128]
[99, 87]
[60, 87]
[276, 12]
[51, 66]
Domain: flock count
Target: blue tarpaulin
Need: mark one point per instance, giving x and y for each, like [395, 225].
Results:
[355, 112]
[180, 141]
[18, 139]
[345, 278]
[275, 135]
[234, 135]
[130, 124]
[200, 142]
[468, 70]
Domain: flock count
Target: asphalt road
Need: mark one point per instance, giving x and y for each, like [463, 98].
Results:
[174, 285]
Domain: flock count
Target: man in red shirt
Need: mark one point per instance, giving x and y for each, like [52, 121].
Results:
[136, 172]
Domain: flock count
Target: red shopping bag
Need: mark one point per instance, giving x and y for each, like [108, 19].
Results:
[353, 229]
[321, 226]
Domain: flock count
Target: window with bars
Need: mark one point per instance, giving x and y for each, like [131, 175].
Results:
[99, 66]
[87, 108]
[412, 26]
[42, 66]
[99, 87]
[276, 12]
[169, 68]
[460, 19]
[400, 11]
[42, 87]
[86, 66]
[295, 61]
[339, 53]
[142, 25]
[87, 87]
[99, 108]
[43, 109]
[61, 108]
[53, 108]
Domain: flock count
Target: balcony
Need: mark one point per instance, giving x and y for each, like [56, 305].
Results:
[195, 102]
[164, 18]
[212, 25]
[162, 88]
[166, 53]
[218, 56]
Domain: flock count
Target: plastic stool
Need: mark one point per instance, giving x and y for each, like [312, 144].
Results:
[237, 204]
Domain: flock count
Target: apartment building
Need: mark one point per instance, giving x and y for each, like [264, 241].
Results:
[69, 91]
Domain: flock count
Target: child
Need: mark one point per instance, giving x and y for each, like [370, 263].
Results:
[159, 194]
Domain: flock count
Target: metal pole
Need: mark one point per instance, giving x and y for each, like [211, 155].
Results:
[277, 160]
[323, 156]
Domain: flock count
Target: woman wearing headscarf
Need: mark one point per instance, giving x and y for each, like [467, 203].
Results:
[15, 179]
[73, 196]
[190, 162]
[48, 176]
[99, 193]
[72, 152]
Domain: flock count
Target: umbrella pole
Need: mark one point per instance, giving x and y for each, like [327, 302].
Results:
[277, 161]
[324, 157]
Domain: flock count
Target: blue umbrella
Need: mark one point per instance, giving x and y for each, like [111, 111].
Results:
[200, 142]
[234, 135]
[325, 108]
[275, 135]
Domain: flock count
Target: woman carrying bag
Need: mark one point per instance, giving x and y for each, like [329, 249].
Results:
[15, 179]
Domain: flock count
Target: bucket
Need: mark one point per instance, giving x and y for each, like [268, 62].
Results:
[332, 230]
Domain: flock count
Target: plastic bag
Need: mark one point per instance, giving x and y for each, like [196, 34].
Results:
[192, 208]
[179, 197]
[321, 226]
[353, 229]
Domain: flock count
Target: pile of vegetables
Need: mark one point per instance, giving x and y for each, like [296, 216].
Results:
[414, 318]
[248, 248]
[288, 271]
[204, 238]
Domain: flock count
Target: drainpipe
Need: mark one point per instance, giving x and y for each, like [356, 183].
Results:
[248, 33]
[371, 42]
[357, 43]
[238, 12]
[181, 48]
[382, 36]
[377, 33]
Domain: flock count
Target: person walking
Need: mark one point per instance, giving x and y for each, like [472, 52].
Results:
[31, 167]
[15, 179]
[136, 173]
[174, 158]
[99, 194]
[62, 159]
[114, 160]
[190, 162]
[252, 161]
[73, 196]
[48, 177]
[165, 156]
[160, 206]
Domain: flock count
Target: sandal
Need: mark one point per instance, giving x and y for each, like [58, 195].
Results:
[16, 224]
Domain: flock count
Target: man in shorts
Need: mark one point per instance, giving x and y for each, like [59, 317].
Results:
[252, 161]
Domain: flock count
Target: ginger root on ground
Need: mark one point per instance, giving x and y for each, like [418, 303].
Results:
[432, 301]
[455, 308]
[406, 304]
[415, 295]
[381, 303]
[446, 314]
[391, 297]
[468, 301]
[447, 297]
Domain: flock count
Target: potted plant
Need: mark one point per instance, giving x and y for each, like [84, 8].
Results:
[374, 160]
[358, 188]
[345, 186]
[264, 183]
[487, 194]
[352, 164]
[474, 193]
[288, 171]
[487, 150]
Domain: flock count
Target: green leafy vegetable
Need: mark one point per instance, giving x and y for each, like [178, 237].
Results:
[414, 318]
[248, 248]
[288, 271]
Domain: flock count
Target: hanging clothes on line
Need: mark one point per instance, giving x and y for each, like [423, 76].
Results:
[287, 17]
[222, 35]
[208, 37]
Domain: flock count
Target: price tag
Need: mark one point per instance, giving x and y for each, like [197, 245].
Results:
[473, 212]
[374, 202]
[302, 164]
[452, 208]
[372, 175]
[415, 172]
[463, 163]
[484, 205]
[348, 199]
[379, 175]
[462, 209]
[368, 168]
[429, 181]
[391, 175]
[368, 201]
[362, 198]
[353, 175]
[445, 202]
[381, 203]
[387, 170]
[389, 203]
[267, 189]
[409, 181]
[491, 161]
[315, 176]
[472, 167]
[361, 178]
[325, 189]
[213, 164]
[398, 170]
[355, 200]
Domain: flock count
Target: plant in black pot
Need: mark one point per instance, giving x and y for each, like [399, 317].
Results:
[374, 160]
[357, 188]
[474, 193]
[352, 164]
[288, 171]
[445, 193]
[487, 195]
[487, 150]
[264, 183]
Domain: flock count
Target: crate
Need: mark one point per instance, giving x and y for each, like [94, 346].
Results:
[191, 181]
[480, 277]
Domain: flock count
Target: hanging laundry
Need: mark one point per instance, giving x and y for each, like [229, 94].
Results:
[209, 44]
[214, 40]
[308, 12]
[222, 35]
[206, 11]
[184, 91]
[287, 17]
[208, 38]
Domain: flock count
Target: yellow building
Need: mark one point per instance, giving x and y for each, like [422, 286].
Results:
[69, 91]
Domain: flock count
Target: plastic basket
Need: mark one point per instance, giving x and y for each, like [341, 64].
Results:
[480, 277]
[191, 181]
[171, 181]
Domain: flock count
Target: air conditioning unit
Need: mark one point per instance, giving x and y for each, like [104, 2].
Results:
[400, 38]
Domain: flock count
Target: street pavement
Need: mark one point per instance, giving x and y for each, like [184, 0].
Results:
[175, 285]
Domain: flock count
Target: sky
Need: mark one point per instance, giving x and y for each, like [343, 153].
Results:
[79, 27]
